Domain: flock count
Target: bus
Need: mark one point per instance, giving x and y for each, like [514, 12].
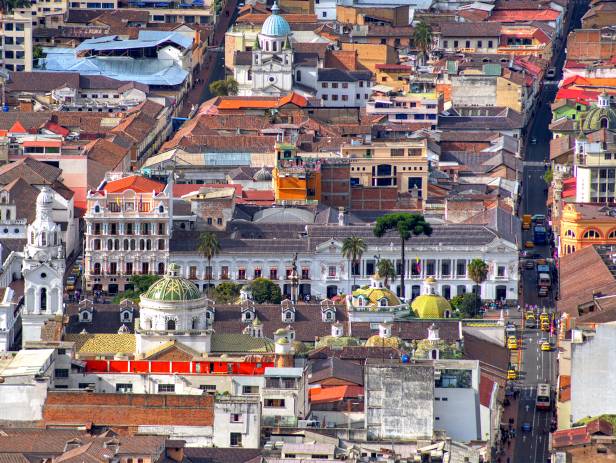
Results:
[544, 399]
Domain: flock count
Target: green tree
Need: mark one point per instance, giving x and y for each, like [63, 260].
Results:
[353, 247]
[208, 246]
[478, 272]
[422, 36]
[386, 270]
[265, 291]
[141, 283]
[226, 87]
[6, 6]
[548, 176]
[37, 52]
[466, 305]
[407, 225]
[226, 293]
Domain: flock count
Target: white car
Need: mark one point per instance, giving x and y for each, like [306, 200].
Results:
[551, 73]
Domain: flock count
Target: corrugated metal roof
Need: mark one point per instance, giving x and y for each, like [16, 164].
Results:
[28, 362]
[226, 159]
[492, 69]
[146, 39]
[284, 372]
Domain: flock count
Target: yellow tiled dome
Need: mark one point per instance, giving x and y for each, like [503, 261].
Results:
[431, 306]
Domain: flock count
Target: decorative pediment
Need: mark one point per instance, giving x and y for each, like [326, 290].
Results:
[330, 245]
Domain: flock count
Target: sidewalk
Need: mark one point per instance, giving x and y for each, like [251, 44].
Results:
[508, 445]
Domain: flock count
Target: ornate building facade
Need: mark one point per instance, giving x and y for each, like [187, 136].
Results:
[128, 228]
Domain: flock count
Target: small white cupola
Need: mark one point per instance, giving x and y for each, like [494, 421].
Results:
[287, 310]
[385, 330]
[337, 330]
[255, 329]
[247, 309]
[127, 311]
[328, 311]
[603, 101]
[429, 286]
[86, 311]
[376, 281]
[433, 333]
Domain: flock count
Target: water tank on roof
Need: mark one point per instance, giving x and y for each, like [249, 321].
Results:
[5, 108]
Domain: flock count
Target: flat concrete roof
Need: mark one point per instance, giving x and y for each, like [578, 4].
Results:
[27, 363]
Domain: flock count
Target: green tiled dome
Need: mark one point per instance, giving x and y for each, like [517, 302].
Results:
[173, 288]
[594, 117]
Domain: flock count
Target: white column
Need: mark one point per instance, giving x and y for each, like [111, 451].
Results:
[37, 300]
[60, 309]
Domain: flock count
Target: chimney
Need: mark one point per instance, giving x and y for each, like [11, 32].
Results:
[174, 449]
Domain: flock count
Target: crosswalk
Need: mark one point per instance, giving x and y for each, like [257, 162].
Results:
[534, 163]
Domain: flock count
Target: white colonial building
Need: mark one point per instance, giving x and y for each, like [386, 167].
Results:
[252, 250]
[43, 270]
[128, 227]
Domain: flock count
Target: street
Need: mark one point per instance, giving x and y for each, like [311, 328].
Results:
[538, 366]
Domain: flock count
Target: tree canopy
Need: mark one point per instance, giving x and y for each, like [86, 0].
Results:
[226, 87]
[265, 291]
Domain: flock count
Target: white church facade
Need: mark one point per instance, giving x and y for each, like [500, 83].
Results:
[43, 270]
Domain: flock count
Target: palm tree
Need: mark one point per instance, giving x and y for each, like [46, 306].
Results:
[406, 224]
[6, 6]
[422, 36]
[386, 270]
[478, 272]
[353, 247]
[208, 246]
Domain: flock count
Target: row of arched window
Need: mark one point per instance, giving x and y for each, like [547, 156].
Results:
[591, 234]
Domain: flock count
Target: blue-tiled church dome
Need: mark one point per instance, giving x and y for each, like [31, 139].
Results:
[275, 25]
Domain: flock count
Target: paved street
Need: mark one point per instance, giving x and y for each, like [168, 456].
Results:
[537, 366]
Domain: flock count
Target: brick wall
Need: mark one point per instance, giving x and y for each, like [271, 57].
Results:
[374, 198]
[585, 44]
[335, 185]
[341, 59]
[128, 410]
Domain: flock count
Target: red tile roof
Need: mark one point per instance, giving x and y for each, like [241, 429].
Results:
[262, 102]
[134, 182]
[486, 389]
[600, 426]
[523, 15]
[570, 437]
[57, 129]
[17, 127]
[320, 395]
[42, 144]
